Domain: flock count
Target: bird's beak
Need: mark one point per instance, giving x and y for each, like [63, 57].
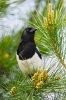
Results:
[33, 30]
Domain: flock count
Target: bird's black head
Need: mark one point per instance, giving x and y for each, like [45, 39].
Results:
[28, 34]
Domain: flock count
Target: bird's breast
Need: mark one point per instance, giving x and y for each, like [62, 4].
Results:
[30, 65]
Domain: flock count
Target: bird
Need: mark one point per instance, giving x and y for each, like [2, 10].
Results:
[28, 56]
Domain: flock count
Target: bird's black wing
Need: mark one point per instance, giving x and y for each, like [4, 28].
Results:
[20, 47]
[27, 52]
[38, 53]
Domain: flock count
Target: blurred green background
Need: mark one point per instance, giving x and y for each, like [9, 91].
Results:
[14, 17]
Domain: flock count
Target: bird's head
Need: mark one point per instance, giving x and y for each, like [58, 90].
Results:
[28, 34]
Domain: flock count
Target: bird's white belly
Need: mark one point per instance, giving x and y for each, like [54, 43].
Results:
[30, 65]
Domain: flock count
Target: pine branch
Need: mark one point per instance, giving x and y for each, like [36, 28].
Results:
[50, 40]
[57, 51]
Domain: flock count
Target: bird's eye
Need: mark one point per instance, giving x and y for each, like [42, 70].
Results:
[28, 30]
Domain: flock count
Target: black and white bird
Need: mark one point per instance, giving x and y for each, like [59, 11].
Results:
[28, 57]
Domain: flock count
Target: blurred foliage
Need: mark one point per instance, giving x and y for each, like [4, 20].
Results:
[8, 48]
[14, 85]
[3, 5]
